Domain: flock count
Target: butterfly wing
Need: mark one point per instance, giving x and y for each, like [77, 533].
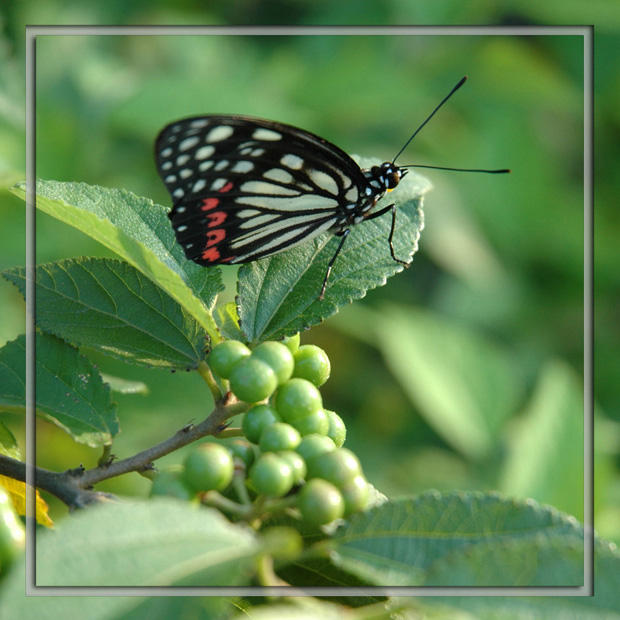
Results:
[246, 188]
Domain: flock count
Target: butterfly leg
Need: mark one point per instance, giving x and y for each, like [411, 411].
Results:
[391, 208]
[344, 234]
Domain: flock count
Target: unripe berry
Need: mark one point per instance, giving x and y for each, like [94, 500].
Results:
[297, 398]
[338, 467]
[208, 467]
[252, 380]
[257, 419]
[320, 502]
[337, 430]
[355, 494]
[271, 475]
[312, 363]
[316, 422]
[280, 436]
[278, 356]
[292, 342]
[314, 445]
[226, 355]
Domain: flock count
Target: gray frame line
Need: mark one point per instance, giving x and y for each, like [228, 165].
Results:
[41, 30]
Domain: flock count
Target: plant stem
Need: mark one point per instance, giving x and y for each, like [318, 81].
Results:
[205, 372]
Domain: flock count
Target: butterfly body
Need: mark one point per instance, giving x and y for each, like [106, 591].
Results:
[246, 188]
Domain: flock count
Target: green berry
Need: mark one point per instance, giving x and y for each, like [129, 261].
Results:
[316, 422]
[271, 475]
[338, 467]
[282, 542]
[337, 431]
[257, 419]
[226, 355]
[252, 380]
[292, 342]
[242, 450]
[170, 483]
[298, 465]
[280, 436]
[320, 502]
[314, 445]
[312, 363]
[278, 356]
[208, 467]
[297, 398]
[355, 494]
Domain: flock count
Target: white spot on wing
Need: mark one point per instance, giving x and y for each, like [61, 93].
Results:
[198, 185]
[301, 226]
[219, 133]
[243, 167]
[287, 204]
[205, 165]
[266, 134]
[352, 195]
[223, 163]
[324, 181]
[188, 143]
[218, 184]
[181, 209]
[182, 228]
[293, 162]
[278, 174]
[246, 213]
[257, 152]
[178, 193]
[166, 152]
[185, 173]
[182, 159]
[201, 122]
[262, 187]
[166, 165]
[204, 151]
[171, 178]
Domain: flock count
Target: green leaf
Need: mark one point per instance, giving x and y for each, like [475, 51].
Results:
[110, 306]
[465, 386]
[605, 604]
[403, 542]
[69, 390]
[125, 386]
[533, 562]
[161, 542]
[535, 465]
[278, 296]
[138, 231]
[228, 321]
[8, 443]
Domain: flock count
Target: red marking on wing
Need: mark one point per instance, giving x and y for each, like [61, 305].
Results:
[214, 237]
[212, 255]
[215, 219]
[226, 187]
[209, 203]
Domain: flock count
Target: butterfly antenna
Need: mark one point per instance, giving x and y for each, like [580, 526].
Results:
[502, 171]
[417, 131]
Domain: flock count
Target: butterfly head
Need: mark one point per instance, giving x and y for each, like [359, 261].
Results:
[388, 175]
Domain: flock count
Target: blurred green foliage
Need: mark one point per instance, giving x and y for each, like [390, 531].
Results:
[501, 258]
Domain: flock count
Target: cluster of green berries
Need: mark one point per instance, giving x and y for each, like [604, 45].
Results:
[292, 445]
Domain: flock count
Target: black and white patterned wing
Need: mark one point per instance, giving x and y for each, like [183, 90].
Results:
[246, 188]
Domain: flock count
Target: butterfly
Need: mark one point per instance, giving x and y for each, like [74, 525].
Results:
[247, 188]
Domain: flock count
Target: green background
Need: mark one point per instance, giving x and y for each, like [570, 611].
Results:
[495, 294]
